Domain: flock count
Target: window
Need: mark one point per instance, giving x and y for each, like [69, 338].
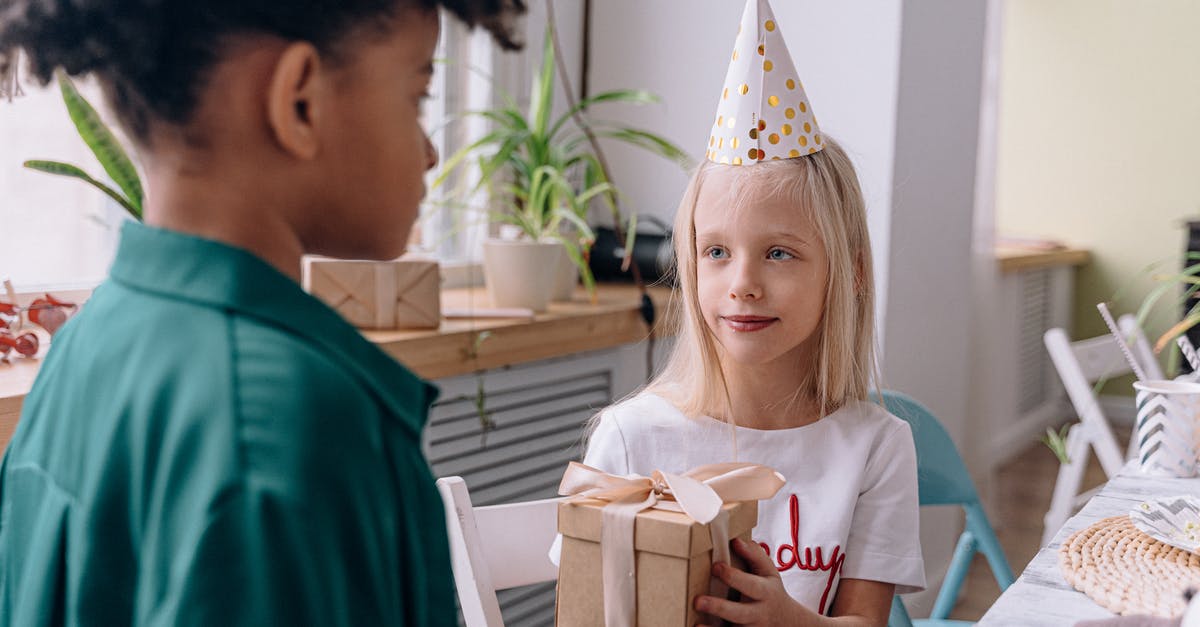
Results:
[60, 233]
[471, 75]
[55, 233]
[451, 226]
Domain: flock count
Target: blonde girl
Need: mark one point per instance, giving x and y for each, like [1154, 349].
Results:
[772, 363]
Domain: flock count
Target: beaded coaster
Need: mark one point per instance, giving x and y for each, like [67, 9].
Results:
[1126, 571]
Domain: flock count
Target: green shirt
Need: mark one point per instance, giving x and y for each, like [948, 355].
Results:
[206, 444]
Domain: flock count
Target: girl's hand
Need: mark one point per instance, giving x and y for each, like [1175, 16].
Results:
[765, 602]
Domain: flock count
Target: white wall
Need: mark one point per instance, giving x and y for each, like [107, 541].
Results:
[929, 322]
[846, 53]
[1097, 143]
[933, 205]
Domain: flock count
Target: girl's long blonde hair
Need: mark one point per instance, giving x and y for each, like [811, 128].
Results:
[823, 185]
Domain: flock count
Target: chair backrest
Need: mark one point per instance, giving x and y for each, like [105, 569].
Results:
[1081, 364]
[942, 476]
[496, 547]
[1101, 358]
[943, 479]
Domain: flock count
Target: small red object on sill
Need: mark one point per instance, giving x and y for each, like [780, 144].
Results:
[25, 344]
[48, 312]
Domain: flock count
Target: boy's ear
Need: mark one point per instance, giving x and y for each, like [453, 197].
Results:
[292, 100]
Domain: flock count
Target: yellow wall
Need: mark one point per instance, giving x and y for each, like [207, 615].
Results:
[1099, 138]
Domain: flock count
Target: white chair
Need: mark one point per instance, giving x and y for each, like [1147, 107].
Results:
[496, 547]
[1080, 364]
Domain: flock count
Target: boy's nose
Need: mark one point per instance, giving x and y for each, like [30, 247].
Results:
[431, 154]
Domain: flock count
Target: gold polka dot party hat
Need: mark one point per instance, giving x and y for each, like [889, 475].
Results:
[763, 113]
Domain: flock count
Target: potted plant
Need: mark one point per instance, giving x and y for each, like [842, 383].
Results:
[1184, 285]
[542, 174]
[1189, 280]
[103, 143]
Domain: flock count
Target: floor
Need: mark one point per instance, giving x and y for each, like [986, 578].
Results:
[1023, 488]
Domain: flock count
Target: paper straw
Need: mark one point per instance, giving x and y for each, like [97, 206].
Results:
[1112, 327]
[1189, 352]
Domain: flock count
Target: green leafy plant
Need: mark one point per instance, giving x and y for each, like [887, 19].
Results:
[486, 422]
[103, 143]
[547, 169]
[1189, 280]
[1056, 441]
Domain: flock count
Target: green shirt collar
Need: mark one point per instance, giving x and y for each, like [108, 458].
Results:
[218, 275]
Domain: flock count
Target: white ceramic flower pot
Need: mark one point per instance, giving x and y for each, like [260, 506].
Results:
[566, 278]
[521, 273]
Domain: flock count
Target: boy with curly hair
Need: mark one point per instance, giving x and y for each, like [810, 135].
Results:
[207, 444]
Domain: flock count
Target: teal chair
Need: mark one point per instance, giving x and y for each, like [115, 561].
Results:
[942, 479]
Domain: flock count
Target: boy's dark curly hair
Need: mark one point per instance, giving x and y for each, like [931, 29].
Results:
[152, 56]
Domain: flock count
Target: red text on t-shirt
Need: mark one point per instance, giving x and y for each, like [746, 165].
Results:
[789, 556]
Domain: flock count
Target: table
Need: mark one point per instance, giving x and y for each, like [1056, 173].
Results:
[1040, 595]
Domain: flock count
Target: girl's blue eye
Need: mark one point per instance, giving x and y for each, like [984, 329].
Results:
[716, 252]
[779, 254]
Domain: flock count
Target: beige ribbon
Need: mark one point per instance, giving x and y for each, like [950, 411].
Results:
[699, 493]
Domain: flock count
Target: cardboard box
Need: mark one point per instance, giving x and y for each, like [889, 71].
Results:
[400, 294]
[673, 561]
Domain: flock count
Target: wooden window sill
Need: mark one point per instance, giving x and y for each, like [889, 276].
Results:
[565, 329]
[1017, 259]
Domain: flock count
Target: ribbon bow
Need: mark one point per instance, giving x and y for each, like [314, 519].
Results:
[699, 493]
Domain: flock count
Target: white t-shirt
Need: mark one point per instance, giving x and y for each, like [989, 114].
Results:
[849, 507]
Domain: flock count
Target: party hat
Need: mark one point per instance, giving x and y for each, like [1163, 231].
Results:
[763, 112]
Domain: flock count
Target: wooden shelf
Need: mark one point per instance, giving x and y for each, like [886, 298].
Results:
[565, 329]
[1016, 259]
[16, 377]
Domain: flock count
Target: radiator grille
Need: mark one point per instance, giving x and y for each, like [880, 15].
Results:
[1036, 373]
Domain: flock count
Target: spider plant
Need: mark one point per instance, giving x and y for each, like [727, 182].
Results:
[1189, 280]
[103, 143]
[541, 172]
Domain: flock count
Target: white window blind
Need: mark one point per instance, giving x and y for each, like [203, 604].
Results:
[58, 233]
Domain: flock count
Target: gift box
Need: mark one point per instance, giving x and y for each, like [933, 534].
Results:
[378, 294]
[641, 549]
[673, 557]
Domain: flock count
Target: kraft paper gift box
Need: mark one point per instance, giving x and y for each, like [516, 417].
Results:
[641, 549]
[378, 294]
[673, 557]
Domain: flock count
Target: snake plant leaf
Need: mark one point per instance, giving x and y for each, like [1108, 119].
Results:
[1160, 291]
[628, 96]
[585, 232]
[649, 141]
[593, 174]
[1057, 443]
[462, 153]
[593, 191]
[1179, 329]
[630, 241]
[507, 117]
[66, 169]
[541, 99]
[102, 142]
[578, 257]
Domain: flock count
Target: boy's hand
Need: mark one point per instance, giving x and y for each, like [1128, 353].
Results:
[765, 602]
